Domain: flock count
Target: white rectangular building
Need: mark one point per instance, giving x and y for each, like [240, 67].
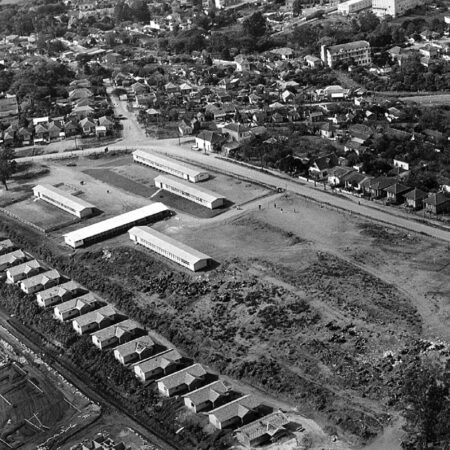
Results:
[357, 52]
[170, 248]
[194, 193]
[115, 225]
[63, 200]
[169, 166]
[394, 8]
[353, 6]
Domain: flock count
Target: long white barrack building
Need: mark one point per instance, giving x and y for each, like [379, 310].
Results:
[170, 248]
[63, 200]
[116, 225]
[169, 166]
[196, 194]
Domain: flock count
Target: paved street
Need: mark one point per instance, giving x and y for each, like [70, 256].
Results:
[134, 137]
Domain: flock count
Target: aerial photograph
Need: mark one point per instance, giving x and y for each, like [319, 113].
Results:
[225, 224]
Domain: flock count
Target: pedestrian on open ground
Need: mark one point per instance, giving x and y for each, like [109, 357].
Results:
[274, 205]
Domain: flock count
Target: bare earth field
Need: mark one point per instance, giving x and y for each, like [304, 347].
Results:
[320, 310]
[41, 213]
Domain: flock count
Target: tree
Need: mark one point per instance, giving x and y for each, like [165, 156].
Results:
[255, 26]
[425, 402]
[7, 165]
[297, 7]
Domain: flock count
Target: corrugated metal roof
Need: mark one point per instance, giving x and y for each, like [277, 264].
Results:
[116, 222]
[71, 201]
[177, 248]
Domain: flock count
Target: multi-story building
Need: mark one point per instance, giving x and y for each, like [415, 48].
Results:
[353, 6]
[394, 8]
[357, 52]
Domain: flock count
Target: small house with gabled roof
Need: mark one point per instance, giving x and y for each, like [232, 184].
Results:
[186, 379]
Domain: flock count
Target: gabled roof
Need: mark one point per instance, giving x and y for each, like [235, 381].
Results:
[118, 330]
[184, 376]
[382, 182]
[210, 392]
[416, 194]
[60, 290]
[236, 127]
[97, 316]
[159, 361]
[269, 424]
[397, 188]
[136, 346]
[211, 136]
[12, 257]
[73, 202]
[77, 303]
[41, 279]
[437, 199]
[24, 268]
[6, 244]
[237, 408]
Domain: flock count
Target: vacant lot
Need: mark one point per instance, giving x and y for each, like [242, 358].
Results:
[120, 181]
[41, 213]
[235, 190]
[28, 406]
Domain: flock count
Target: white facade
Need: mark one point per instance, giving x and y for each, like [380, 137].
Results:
[196, 194]
[115, 225]
[75, 307]
[27, 269]
[115, 334]
[353, 6]
[137, 349]
[169, 166]
[394, 8]
[57, 294]
[357, 52]
[64, 201]
[94, 320]
[170, 248]
[40, 282]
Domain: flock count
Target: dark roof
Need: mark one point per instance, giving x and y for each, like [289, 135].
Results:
[397, 188]
[416, 194]
[381, 182]
[437, 199]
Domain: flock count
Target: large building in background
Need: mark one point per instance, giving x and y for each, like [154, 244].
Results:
[353, 6]
[357, 52]
[394, 8]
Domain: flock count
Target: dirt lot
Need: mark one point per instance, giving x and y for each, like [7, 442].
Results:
[109, 425]
[321, 309]
[41, 213]
[235, 190]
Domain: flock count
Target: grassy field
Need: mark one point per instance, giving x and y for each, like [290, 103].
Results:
[429, 100]
[121, 182]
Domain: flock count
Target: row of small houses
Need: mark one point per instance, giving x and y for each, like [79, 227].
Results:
[134, 348]
[49, 130]
[382, 187]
